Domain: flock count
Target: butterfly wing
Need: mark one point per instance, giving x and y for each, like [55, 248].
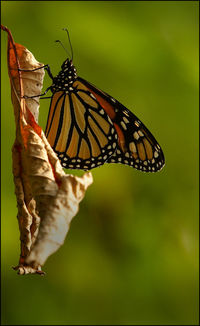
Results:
[136, 145]
[79, 130]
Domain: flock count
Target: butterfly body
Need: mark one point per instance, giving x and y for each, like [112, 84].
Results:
[65, 79]
[86, 127]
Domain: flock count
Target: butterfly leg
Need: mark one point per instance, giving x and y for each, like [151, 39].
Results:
[46, 67]
[25, 96]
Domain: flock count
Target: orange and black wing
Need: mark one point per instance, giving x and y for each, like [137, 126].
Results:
[79, 130]
[136, 146]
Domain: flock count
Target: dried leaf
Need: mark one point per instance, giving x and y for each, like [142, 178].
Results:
[47, 198]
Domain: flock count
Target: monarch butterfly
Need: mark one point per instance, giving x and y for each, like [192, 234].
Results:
[86, 127]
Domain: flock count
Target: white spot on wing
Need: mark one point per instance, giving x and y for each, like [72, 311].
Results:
[123, 125]
[92, 96]
[135, 135]
[156, 154]
[140, 133]
[125, 120]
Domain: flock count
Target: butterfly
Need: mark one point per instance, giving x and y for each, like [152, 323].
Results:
[87, 127]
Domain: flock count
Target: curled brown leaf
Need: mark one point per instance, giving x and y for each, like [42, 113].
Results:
[47, 198]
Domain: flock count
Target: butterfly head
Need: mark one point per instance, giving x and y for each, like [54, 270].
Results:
[68, 67]
[66, 64]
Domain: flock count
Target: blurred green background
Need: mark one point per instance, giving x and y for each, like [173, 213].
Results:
[131, 255]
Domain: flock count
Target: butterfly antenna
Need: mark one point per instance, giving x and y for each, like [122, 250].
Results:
[58, 41]
[66, 30]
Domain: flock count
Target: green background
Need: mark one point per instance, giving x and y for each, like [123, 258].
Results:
[131, 255]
